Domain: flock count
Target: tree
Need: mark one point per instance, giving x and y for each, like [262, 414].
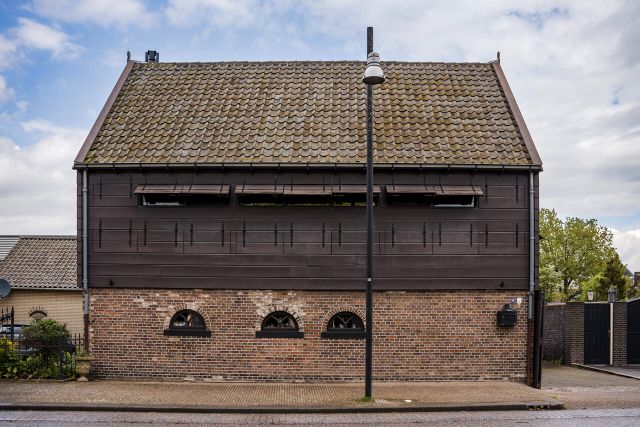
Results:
[571, 253]
[614, 274]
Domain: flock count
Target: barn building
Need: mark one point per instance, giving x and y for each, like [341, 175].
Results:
[221, 223]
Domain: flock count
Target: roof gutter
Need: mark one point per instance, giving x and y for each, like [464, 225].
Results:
[362, 166]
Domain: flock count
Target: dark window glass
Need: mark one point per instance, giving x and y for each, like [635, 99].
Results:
[417, 199]
[345, 321]
[454, 201]
[280, 321]
[183, 199]
[305, 200]
[162, 200]
[187, 319]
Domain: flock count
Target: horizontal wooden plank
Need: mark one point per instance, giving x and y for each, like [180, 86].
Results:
[305, 271]
[382, 284]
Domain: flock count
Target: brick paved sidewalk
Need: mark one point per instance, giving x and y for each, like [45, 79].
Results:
[347, 396]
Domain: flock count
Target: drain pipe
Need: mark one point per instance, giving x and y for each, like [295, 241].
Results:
[85, 245]
[532, 244]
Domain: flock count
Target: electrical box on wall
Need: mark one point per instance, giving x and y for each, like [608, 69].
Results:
[507, 316]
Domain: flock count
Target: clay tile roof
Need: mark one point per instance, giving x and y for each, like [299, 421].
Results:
[41, 262]
[309, 113]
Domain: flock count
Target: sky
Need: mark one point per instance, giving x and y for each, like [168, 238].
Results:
[573, 65]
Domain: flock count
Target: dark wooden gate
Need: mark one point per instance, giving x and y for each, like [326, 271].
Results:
[596, 334]
[633, 331]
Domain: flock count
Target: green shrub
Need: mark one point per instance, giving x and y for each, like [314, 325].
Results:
[41, 337]
[46, 330]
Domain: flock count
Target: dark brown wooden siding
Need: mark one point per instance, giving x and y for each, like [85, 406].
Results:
[230, 246]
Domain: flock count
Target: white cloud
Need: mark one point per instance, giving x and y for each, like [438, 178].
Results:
[35, 35]
[227, 13]
[37, 184]
[6, 93]
[628, 245]
[100, 12]
[7, 49]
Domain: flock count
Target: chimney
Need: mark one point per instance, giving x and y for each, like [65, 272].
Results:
[151, 56]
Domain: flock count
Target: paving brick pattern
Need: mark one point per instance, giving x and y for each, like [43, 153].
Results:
[386, 394]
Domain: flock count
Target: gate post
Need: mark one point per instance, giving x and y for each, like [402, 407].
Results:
[619, 331]
[574, 333]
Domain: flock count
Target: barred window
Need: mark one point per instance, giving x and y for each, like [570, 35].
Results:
[345, 325]
[187, 323]
[345, 320]
[279, 324]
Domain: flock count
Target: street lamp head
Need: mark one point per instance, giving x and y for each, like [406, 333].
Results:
[373, 74]
[590, 295]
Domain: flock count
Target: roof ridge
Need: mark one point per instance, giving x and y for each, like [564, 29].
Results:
[312, 61]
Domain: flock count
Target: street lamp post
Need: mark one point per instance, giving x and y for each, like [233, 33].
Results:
[373, 75]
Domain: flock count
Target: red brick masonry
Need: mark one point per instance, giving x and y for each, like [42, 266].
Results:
[418, 335]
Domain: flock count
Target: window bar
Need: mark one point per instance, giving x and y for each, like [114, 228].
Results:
[130, 186]
[393, 235]
[331, 241]
[471, 234]
[486, 187]
[517, 235]
[291, 235]
[339, 234]
[222, 234]
[517, 189]
[100, 232]
[244, 233]
[486, 235]
[323, 231]
[100, 188]
[130, 231]
[424, 234]
[275, 234]
[191, 235]
[145, 233]
[439, 234]
[175, 235]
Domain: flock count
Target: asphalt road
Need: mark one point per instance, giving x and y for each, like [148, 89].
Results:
[602, 417]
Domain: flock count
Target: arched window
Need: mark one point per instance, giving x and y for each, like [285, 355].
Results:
[345, 325]
[279, 324]
[187, 323]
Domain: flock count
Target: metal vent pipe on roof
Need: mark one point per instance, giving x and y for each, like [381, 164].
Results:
[151, 56]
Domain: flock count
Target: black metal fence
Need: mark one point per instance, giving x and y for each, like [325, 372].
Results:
[52, 358]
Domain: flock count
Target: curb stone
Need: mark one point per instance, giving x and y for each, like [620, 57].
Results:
[515, 406]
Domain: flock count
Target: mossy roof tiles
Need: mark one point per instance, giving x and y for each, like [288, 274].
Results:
[42, 262]
[309, 113]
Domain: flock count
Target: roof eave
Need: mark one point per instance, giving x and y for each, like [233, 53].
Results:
[277, 165]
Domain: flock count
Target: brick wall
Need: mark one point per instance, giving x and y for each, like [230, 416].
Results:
[574, 333]
[63, 306]
[553, 345]
[419, 335]
[620, 333]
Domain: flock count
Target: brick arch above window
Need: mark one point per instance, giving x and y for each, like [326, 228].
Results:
[274, 333]
[346, 333]
[171, 331]
[347, 308]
